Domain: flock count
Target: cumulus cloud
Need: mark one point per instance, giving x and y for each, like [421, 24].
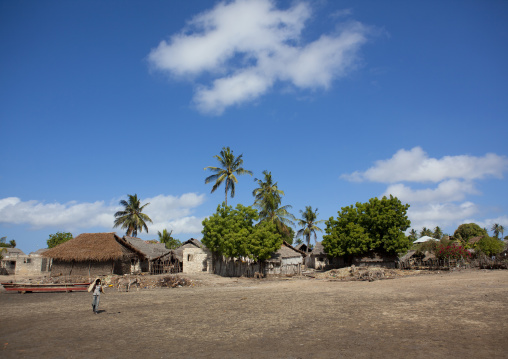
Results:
[416, 166]
[448, 214]
[171, 212]
[446, 191]
[437, 189]
[248, 45]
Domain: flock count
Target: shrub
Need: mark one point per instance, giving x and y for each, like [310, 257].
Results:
[451, 252]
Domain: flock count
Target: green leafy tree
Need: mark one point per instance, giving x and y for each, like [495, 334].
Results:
[467, 231]
[267, 199]
[229, 167]
[58, 238]
[263, 241]
[168, 240]
[490, 246]
[132, 217]
[232, 233]
[375, 225]
[497, 229]
[309, 224]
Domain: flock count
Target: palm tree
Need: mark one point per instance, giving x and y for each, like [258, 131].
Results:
[268, 198]
[413, 234]
[497, 229]
[132, 217]
[438, 233]
[426, 232]
[229, 166]
[308, 222]
[170, 242]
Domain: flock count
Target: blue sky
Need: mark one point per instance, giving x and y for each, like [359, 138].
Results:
[341, 100]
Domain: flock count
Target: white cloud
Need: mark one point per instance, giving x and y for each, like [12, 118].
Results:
[439, 189]
[169, 212]
[415, 166]
[440, 214]
[446, 191]
[248, 45]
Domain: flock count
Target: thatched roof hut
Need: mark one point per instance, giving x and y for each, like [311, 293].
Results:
[150, 250]
[93, 253]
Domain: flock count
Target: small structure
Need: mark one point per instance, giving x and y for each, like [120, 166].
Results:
[18, 263]
[91, 254]
[286, 261]
[319, 259]
[150, 250]
[191, 257]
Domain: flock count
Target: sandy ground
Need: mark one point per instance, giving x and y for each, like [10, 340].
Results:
[453, 315]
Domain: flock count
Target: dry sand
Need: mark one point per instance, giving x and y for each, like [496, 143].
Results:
[454, 315]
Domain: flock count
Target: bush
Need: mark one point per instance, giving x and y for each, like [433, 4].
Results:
[490, 246]
[451, 252]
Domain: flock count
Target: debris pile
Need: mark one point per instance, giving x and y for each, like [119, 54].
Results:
[370, 274]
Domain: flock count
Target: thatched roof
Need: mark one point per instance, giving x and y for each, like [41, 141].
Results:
[39, 251]
[97, 247]
[150, 250]
[286, 251]
[406, 256]
[318, 250]
[474, 240]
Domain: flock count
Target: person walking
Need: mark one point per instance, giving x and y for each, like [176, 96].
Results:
[97, 289]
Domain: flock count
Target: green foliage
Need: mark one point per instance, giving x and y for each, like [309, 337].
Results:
[438, 233]
[413, 235]
[231, 232]
[429, 246]
[468, 230]
[490, 246]
[268, 199]
[375, 225]
[426, 232]
[168, 240]
[309, 224]
[497, 229]
[451, 251]
[58, 238]
[132, 217]
[229, 166]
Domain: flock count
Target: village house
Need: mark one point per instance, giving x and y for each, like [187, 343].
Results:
[94, 254]
[287, 260]
[15, 262]
[319, 259]
[150, 250]
[191, 257]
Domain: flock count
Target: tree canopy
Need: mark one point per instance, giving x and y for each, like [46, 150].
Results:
[232, 233]
[132, 217]
[375, 225]
[58, 238]
[268, 199]
[309, 224]
[166, 238]
[491, 246]
[469, 230]
[229, 165]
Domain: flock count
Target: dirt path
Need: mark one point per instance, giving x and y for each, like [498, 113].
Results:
[463, 314]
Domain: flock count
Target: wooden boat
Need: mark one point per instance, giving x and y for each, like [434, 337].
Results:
[52, 287]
